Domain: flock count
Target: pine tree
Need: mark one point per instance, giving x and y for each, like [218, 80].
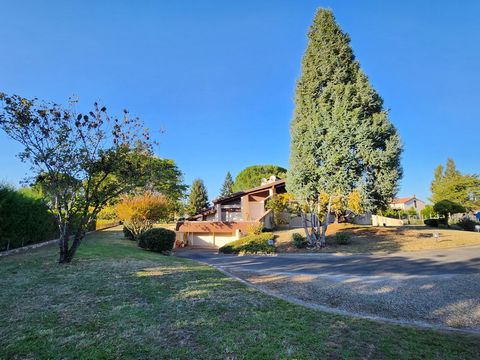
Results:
[227, 187]
[198, 198]
[341, 137]
[252, 176]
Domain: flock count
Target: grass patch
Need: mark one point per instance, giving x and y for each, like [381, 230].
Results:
[370, 239]
[118, 301]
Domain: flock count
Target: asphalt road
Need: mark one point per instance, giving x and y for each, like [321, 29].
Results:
[463, 260]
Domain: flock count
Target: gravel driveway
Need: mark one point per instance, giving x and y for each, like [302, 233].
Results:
[439, 287]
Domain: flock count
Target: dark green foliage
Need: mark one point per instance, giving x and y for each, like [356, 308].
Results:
[467, 224]
[128, 234]
[341, 137]
[436, 222]
[198, 198]
[164, 176]
[252, 176]
[227, 187]
[250, 244]
[24, 219]
[446, 207]
[157, 239]
[343, 238]
[299, 240]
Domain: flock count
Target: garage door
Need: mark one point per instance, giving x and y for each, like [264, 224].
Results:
[210, 240]
[223, 238]
[202, 240]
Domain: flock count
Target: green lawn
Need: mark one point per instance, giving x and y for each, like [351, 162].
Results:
[118, 301]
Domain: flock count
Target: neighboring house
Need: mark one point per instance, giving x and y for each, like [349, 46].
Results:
[407, 203]
[230, 217]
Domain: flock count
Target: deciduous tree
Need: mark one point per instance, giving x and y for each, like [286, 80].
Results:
[139, 212]
[82, 161]
[456, 187]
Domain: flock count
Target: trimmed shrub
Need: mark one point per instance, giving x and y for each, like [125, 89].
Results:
[447, 207]
[467, 224]
[435, 222]
[299, 240]
[250, 244]
[157, 239]
[24, 219]
[128, 234]
[343, 238]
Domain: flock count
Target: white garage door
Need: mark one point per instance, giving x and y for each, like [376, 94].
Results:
[223, 238]
[210, 240]
[202, 240]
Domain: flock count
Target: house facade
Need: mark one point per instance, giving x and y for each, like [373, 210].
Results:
[407, 203]
[232, 216]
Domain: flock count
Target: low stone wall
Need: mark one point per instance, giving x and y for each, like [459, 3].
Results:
[378, 220]
[37, 245]
[28, 247]
[364, 219]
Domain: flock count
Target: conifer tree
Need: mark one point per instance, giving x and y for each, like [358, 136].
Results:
[341, 138]
[198, 198]
[227, 187]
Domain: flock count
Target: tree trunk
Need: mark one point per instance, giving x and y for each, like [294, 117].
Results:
[63, 245]
[325, 223]
[77, 239]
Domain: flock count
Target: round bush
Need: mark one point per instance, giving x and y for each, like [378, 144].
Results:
[343, 238]
[298, 240]
[467, 224]
[157, 239]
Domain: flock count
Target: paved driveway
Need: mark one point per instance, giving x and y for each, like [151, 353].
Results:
[465, 260]
[440, 287]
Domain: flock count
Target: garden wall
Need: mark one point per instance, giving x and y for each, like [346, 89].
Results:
[378, 220]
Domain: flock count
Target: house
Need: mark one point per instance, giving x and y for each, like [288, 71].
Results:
[231, 216]
[406, 203]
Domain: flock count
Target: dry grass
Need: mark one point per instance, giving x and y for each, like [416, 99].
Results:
[116, 301]
[369, 239]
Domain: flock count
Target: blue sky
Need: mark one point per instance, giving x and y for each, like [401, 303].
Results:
[219, 76]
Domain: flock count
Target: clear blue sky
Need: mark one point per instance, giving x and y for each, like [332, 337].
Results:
[219, 76]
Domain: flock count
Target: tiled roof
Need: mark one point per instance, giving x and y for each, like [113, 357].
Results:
[241, 193]
[402, 200]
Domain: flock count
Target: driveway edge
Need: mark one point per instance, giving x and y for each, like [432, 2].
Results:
[416, 324]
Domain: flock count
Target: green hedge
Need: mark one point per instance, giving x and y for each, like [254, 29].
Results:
[250, 244]
[467, 224]
[436, 222]
[157, 239]
[25, 219]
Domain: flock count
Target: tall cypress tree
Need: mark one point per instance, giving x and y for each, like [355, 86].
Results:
[198, 198]
[227, 187]
[341, 137]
